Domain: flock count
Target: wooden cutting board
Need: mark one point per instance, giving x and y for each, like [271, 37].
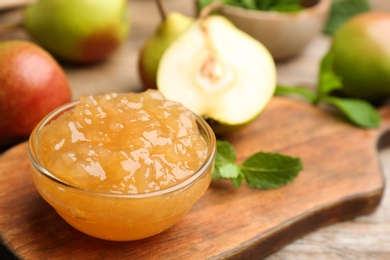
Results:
[341, 179]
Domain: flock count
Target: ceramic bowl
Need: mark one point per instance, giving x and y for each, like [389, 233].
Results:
[283, 34]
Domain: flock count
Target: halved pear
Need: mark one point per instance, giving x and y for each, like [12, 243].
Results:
[219, 72]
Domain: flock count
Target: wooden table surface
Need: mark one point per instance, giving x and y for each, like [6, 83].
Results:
[366, 237]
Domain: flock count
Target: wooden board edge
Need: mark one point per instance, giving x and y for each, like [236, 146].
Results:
[6, 253]
[347, 209]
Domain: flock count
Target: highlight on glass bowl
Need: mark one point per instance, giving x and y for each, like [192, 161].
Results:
[122, 166]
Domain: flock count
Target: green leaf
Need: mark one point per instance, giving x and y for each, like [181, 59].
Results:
[359, 112]
[265, 5]
[225, 161]
[225, 166]
[227, 170]
[303, 92]
[239, 180]
[270, 170]
[261, 170]
[286, 6]
[327, 79]
[226, 151]
[249, 4]
[342, 10]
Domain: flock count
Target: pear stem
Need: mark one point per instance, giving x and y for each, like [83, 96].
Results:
[209, 8]
[161, 10]
[4, 28]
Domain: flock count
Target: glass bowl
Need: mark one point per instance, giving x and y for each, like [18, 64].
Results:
[120, 217]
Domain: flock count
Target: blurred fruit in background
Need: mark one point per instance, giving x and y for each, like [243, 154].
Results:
[78, 31]
[153, 49]
[31, 85]
[361, 49]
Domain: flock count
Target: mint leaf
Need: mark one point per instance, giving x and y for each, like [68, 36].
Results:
[270, 170]
[261, 170]
[225, 162]
[327, 79]
[228, 170]
[303, 92]
[239, 180]
[359, 112]
[287, 8]
[265, 5]
[248, 4]
[342, 10]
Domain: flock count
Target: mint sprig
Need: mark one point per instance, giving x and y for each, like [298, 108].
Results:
[261, 171]
[359, 112]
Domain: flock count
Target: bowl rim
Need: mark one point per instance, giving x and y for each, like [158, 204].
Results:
[34, 161]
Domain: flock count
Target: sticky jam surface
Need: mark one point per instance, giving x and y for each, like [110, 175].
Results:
[123, 143]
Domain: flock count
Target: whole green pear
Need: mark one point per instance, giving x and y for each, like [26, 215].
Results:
[150, 55]
[78, 31]
[361, 50]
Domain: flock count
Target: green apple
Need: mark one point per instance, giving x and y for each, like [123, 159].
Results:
[167, 32]
[219, 72]
[32, 84]
[361, 50]
[78, 31]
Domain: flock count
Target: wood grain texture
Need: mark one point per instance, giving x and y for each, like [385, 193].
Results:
[341, 179]
[365, 237]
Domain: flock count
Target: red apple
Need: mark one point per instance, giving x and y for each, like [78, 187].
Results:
[32, 84]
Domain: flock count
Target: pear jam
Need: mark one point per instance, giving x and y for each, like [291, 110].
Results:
[118, 159]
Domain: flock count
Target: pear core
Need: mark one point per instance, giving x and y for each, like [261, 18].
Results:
[218, 71]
